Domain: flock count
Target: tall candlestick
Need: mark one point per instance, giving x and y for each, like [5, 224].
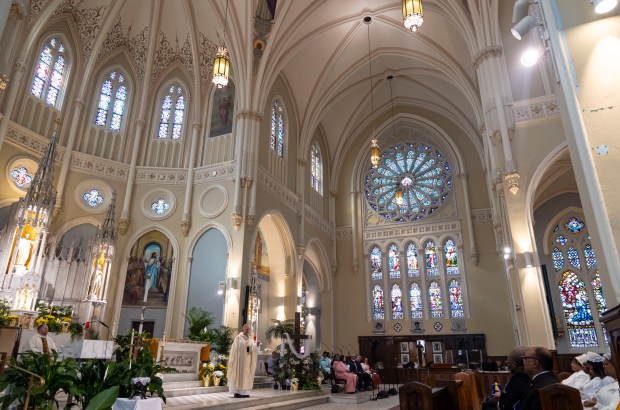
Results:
[132, 334]
[113, 329]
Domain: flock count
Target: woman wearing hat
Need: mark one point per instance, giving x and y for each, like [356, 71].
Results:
[579, 377]
[594, 367]
[607, 397]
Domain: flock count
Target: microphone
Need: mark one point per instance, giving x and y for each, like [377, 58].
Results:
[104, 325]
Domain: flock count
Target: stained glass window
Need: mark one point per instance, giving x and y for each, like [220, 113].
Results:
[376, 273]
[423, 174]
[21, 177]
[599, 297]
[394, 262]
[415, 301]
[577, 312]
[160, 206]
[558, 259]
[412, 261]
[574, 225]
[108, 109]
[378, 307]
[589, 256]
[434, 294]
[430, 253]
[561, 240]
[303, 294]
[573, 257]
[172, 108]
[456, 299]
[397, 303]
[93, 198]
[49, 76]
[278, 122]
[316, 168]
[452, 260]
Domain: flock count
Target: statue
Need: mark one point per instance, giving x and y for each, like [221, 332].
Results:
[24, 250]
[97, 279]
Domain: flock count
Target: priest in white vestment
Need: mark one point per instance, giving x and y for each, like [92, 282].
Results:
[40, 343]
[242, 364]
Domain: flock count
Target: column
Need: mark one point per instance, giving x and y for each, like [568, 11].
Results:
[18, 73]
[186, 221]
[123, 223]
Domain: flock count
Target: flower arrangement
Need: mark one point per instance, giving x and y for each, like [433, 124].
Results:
[218, 373]
[288, 369]
[294, 380]
[207, 369]
[57, 318]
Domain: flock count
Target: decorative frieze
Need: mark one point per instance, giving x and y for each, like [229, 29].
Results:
[137, 45]
[32, 142]
[436, 229]
[161, 175]
[166, 55]
[492, 51]
[87, 21]
[281, 192]
[313, 217]
[214, 173]
[344, 232]
[536, 109]
[482, 216]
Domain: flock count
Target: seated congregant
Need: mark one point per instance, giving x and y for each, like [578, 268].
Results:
[376, 380]
[594, 368]
[579, 376]
[537, 364]
[341, 373]
[364, 379]
[40, 343]
[325, 364]
[516, 387]
[271, 363]
[607, 397]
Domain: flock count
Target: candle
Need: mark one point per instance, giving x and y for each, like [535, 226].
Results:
[132, 333]
[113, 329]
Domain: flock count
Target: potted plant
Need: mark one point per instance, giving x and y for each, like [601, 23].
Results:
[279, 328]
[295, 383]
[199, 320]
[217, 377]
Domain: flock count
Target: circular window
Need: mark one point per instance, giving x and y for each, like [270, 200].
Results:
[419, 171]
[93, 195]
[20, 173]
[158, 204]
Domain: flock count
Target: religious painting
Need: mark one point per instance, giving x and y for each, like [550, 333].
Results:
[222, 110]
[438, 358]
[436, 347]
[149, 272]
[404, 347]
[181, 362]
[260, 261]
[417, 327]
[404, 359]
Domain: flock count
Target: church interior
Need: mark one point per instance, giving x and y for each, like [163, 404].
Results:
[446, 177]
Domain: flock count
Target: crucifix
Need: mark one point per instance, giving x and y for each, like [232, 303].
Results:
[298, 337]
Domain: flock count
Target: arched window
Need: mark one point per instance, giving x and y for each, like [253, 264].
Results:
[456, 299]
[573, 257]
[397, 303]
[599, 297]
[589, 256]
[434, 298]
[49, 76]
[112, 98]
[558, 259]
[378, 308]
[376, 273]
[278, 123]
[431, 259]
[412, 261]
[316, 168]
[452, 260]
[394, 262]
[577, 311]
[172, 113]
[415, 301]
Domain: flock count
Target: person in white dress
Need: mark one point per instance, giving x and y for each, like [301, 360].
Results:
[579, 377]
[594, 367]
[607, 397]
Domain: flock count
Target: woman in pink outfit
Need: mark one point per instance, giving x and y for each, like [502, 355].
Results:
[341, 372]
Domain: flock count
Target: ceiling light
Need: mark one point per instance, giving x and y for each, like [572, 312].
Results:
[523, 27]
[412, 14]
[604, 6]
[221, 64]
[530, 57]
[375, 154]
[398, 196]
[520, 10]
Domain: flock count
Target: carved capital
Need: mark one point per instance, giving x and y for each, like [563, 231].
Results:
[140, 122]
[475, 257]
[196, 126]
[301, 163]
[356, 269]
[20, 66]
[18, 10]
[4, 81]
[123, 225]
[55, 213]
[495, 136]
[463, 175]
[249, 222]
[301, 250]
[236, 220]
[512, 180]
[249, 115]
[185, 226]
[485, 53]
[79, 104]
[250, 181]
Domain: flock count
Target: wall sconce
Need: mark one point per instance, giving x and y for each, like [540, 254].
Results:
[232, 283]
[523, 27]
[507, 252]
[221, 287]
[604, 6]
[528, 259]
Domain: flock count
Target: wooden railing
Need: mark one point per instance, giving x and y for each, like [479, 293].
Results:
[33, 376]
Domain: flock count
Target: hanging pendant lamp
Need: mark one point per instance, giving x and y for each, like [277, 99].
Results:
[398, 196]
[412, 14]
[221, 64]
[375, 154]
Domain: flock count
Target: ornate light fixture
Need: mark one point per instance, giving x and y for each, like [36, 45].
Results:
[375, 154]
[221, 64]
[399, 195]
[412, 14]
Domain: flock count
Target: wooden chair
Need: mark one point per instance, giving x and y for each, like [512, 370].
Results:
[560, 396]
[563, 376]
[418, 396]
[9, 340]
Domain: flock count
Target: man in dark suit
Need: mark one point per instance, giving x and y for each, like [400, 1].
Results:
[364, 380]
[516, 389]
[537, 363]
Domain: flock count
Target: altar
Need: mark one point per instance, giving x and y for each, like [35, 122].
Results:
[182, 355]
[88, 349]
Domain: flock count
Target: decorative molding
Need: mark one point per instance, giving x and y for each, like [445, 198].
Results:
[100, 167]
[152, 175]
[536, 109]
[31, 142]
[315, 218]
[207, 52]
[492, 51]
[344, 232]
[87, 20]
[214, 172]
[137, 45]
[249, 115]
[482, 216]
[123, 225]
[281, 192]
[393, 233]
[35, 9]
[166, 55]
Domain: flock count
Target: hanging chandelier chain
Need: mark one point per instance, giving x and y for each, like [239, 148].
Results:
[392, 100]
[372, 102]
[223, 39]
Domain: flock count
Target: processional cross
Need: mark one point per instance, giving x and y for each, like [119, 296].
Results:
[298, 336]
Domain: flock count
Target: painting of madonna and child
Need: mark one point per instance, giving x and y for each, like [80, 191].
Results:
[149, 269]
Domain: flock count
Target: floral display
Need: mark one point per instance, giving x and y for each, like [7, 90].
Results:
[57, 318]
[291, 370]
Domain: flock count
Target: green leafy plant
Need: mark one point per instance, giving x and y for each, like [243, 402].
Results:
[279, 328]
[97, 377]
[59, 375]
[221, 339]
[104, 400]
[199, 320]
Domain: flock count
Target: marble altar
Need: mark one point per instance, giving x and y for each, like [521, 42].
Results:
[88, 349]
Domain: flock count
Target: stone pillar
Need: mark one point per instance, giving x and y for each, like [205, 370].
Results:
[18, 74]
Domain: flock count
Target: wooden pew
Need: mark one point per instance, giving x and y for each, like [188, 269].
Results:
[418, 396]
[459, 395]
[560, 396]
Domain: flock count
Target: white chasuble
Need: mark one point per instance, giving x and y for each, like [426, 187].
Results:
[242, 364]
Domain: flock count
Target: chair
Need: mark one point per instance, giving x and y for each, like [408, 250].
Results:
[560, 396]
[563, 376]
